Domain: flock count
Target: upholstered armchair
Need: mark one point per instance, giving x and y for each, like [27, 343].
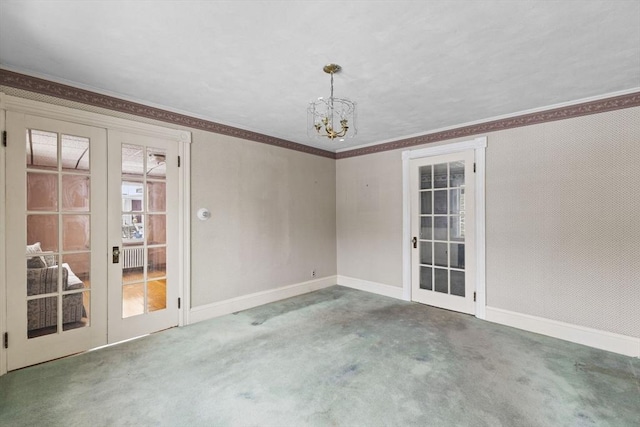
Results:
[43, 312]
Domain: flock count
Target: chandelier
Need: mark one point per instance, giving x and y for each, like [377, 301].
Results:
[333, 117]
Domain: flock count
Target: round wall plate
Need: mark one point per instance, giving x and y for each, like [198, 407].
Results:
[204, 214]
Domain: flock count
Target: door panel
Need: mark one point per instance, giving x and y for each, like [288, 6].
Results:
[56, 211]
[442, 224]
[143, 200]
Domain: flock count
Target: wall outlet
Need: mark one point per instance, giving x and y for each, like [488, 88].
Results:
[313, 273]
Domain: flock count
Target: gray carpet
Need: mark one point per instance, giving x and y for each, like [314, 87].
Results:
[336, 357]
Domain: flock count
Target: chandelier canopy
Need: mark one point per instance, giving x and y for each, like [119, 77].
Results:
[331, 117]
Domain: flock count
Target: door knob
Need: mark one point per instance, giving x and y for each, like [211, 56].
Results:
[415, 242]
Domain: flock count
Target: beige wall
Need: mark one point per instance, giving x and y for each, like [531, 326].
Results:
[369, 217]
[273, 217]
[562, 210]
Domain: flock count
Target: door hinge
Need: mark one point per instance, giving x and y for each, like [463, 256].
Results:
[474, 168]
[6, 340]
[474, 297]
[178, 161]
[4, 138]
[179, 302]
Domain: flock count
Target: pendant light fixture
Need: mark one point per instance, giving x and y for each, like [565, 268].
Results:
[331, 117]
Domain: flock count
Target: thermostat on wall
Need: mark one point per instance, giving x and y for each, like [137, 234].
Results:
[204, 214]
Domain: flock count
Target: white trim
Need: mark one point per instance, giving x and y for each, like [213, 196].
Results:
[89, 118]
[245, 302]
[495, 118]
[616, 343]
[481, 286]
[3, 281]
[184, 219]
[479, 145]
[373, 287]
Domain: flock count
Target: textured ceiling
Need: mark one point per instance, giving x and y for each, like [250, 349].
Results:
[412, 67]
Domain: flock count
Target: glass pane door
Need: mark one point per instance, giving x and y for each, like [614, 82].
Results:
[442, 200]
[144, 231]
[143, 227]
[58, 247]
[56, 208]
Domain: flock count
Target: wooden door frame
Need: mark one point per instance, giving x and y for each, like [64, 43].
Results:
[478, 145]
[183, 137]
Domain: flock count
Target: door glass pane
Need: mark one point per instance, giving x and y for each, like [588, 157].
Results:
[132, 300]
[425, 277]
[156, 162]
[457, 255]
[132, 229]
[74, 313]
[441, 280]
[440, 228]
[132, 196]
[75, 232]
[457, 283]
[425, 253]
[132, 160]
[456, 174]
[75, 193]
[78, 266]
[157, 262]
[42, 316]
[456, 201]
[75, 153]
[42, 149]
[440, 202]
[43, 229]
[440, 254]
[157, 295]
[457, 228]
[157, 195]
[42, 192]
[157, 229]
[426, 230]
[42, 280]
[132, 262]
[425, 202]
[425, 178]
[440, 175]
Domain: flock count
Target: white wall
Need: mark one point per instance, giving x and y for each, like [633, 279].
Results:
[562, 236]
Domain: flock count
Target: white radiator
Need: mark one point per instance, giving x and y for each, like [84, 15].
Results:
[132, 257]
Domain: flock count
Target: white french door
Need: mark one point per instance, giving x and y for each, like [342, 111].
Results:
[143, 235]
[56, 211]
[74, 193]
[443, 231]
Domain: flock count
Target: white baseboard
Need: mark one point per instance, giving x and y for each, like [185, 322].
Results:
[245, 302]
[373, 287]
[622, 344]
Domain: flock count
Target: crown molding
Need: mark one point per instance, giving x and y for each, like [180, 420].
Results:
[63, 91]
[59, 90]
[561, 113]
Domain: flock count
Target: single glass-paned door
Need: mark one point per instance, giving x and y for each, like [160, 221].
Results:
[443, 235]
[56, 211]
[143, 231]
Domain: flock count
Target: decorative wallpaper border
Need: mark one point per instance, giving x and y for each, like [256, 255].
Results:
[562, 113]
[45, 87]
